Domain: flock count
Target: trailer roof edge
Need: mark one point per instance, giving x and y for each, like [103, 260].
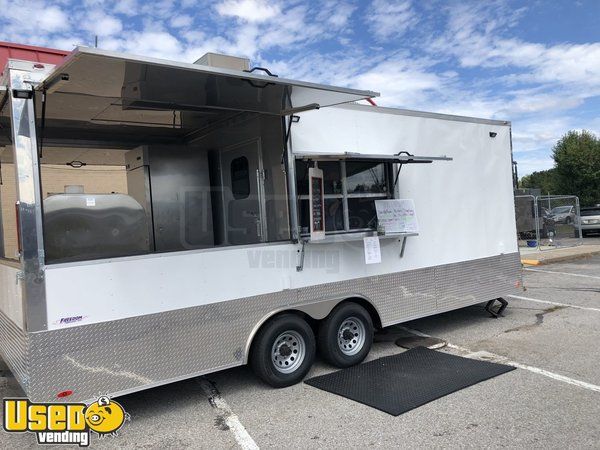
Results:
[426, 114]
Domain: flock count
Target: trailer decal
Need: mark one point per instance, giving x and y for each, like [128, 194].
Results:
[71, 319]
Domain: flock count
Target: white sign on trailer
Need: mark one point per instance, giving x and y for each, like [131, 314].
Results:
[372, 250]
[397, 216]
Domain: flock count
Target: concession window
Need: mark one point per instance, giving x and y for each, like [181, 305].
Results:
[352, 184]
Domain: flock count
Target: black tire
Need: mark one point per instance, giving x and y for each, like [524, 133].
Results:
[329, 344]
[568, 220]
[261, 358]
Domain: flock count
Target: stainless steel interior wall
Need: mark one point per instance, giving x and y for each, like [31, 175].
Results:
[176, 187]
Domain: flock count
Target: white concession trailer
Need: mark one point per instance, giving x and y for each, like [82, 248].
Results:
[245, 226]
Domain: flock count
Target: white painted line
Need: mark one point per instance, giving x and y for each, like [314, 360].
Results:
[486, 356]
[562, 273]
[225, 413]
[492, 357]
[568, 305]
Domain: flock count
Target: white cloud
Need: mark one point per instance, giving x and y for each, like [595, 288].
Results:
[336, 13]
[52, 19]
[390, 18]
[126, 7]
[159, 9]
[248, 10]
[181, 21]
[401, 82]
[533, 134]
[156, 43]
[474, 35]
[100, 23]
[24, 22]
[293, 27]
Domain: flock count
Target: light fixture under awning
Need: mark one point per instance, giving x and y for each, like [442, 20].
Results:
[142, 82]
[400, 158]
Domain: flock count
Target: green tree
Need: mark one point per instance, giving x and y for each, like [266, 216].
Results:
[544, 180]
[577, 166]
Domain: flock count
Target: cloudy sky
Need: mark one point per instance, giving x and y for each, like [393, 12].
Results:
[536, 63]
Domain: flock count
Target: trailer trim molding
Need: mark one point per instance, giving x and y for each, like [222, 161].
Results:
[29, 198]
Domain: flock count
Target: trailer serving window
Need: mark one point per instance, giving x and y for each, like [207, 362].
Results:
[351, 188]
[199, 153]
[352, 183]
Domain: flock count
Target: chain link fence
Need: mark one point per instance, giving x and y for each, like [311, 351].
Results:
[548, 221]
[525, 210]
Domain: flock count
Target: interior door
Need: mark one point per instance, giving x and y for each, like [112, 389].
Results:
[242, 175]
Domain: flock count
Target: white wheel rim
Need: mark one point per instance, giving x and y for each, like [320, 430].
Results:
[351, 336]
[288, 351]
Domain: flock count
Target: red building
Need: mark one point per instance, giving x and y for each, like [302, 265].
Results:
[9, 50]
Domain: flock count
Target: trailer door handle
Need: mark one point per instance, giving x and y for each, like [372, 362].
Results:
[258, 227]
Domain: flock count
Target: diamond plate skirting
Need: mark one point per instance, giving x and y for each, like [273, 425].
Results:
[126, 355]
[14, 348]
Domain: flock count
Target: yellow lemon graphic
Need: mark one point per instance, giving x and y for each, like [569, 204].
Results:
[105, 416]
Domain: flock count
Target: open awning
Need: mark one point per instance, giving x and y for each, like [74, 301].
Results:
[140, 83]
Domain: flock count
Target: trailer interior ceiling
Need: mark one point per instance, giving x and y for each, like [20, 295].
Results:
[141, 155]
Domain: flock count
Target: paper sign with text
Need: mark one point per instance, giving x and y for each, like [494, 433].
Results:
[372, 250]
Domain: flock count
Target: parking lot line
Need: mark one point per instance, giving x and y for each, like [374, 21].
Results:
[487, 356]
[226, 416]
[492, 357]
[568, 305]
[562, 273]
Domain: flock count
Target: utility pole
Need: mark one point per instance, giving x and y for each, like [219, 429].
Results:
[96, 41]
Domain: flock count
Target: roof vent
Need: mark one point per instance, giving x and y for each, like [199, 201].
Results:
[224, 61]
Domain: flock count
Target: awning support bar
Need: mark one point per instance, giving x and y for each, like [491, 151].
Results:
[401, 158]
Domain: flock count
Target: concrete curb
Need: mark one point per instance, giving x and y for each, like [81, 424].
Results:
[549, 257]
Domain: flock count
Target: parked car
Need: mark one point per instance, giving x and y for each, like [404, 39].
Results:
[563, 214]
[590, 220]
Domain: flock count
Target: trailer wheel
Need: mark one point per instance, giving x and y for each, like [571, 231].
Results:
[346, 335]
[283, 351]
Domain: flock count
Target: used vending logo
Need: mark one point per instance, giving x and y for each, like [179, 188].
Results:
[64, 423]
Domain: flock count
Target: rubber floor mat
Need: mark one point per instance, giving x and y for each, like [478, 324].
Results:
[396, 384]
